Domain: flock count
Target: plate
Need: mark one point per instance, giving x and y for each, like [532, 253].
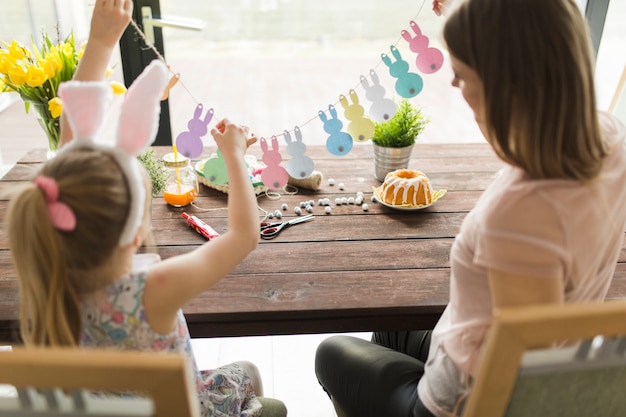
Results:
[408, 207]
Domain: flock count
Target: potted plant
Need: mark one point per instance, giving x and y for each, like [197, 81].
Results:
[393, 139]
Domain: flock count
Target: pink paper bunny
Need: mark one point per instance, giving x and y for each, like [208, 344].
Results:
[273, 176]
[428, 60]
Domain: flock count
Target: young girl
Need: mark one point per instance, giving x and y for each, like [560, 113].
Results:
[549, 229]
[74, 230]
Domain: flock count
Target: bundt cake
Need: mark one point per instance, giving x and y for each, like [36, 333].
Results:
[406, 187]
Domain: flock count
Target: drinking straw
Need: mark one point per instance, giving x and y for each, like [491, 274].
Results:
[177, 171]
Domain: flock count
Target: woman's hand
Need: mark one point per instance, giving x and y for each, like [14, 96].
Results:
[439, 6]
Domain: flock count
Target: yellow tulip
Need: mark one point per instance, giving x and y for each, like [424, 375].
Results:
[17, 76]
[18, 51]
[67, 49]
[35, 76]
[55, 106]
[2, 86]
[48, 68]
[118, 88]
[56, 62]
[6, 63]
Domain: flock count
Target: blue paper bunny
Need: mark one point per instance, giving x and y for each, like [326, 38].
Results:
[408, 84]
[338, 143]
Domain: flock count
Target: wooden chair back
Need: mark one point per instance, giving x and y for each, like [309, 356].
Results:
[521, 376]
[73, 382]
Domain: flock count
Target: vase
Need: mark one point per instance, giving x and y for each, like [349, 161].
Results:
[387, 159]
[50, 126]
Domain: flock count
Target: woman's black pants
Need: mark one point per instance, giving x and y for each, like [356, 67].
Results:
[377, 378]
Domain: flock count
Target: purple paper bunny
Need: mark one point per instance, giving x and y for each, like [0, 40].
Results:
[190, 143]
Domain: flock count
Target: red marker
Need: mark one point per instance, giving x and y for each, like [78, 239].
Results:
[201, 227]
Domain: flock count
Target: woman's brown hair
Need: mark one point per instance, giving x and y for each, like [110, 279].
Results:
[536, 64]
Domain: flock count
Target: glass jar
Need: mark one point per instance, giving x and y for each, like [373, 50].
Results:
[182, 185]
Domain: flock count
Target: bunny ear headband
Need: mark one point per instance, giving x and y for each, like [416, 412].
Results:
[84, 104]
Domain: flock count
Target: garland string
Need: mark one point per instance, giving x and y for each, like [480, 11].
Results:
[182, 84]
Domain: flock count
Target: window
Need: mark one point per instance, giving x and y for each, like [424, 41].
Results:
[273, 64]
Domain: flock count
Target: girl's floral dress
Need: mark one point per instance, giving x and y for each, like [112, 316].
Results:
[118, 321]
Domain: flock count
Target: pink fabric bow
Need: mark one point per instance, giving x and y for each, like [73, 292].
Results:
[61, 215]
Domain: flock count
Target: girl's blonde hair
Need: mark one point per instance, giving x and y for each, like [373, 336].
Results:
[49, 262]
[536, 64]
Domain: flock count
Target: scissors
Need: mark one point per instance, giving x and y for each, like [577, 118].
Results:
[271, 230]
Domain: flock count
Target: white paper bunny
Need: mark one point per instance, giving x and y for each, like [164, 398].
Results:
[299, 166]
[382, 109]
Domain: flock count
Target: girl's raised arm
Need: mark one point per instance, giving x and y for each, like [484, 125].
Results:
[108, 22]
[175, 281]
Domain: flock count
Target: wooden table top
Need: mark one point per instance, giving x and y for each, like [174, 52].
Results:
[351, 270]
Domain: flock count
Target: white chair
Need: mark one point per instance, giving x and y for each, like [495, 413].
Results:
[63, 382]
[520, 376]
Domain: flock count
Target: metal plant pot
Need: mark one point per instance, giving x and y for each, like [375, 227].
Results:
[390, 159]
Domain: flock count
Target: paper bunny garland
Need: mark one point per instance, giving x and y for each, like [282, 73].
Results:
[84, 104]
[360, 126]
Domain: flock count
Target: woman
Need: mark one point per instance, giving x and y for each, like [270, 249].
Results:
[549, 228]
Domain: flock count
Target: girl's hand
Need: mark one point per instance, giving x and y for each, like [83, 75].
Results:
[232, 138]
[109, 20]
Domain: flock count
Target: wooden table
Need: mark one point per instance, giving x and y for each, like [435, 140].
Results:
[352, 270]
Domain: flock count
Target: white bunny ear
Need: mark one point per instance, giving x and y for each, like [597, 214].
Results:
[139, 113]
[84, 104]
